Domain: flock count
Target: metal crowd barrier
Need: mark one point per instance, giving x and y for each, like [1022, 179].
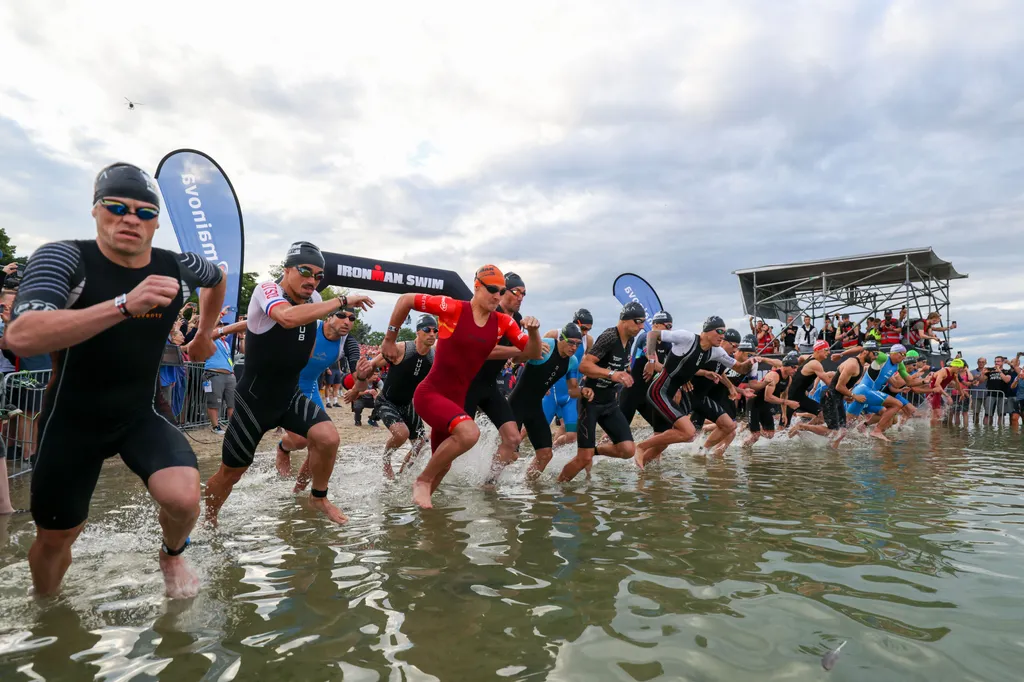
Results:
[188, 403]
[985, 403]
[22, 401]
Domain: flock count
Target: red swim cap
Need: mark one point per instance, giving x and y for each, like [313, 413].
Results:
[348, 381]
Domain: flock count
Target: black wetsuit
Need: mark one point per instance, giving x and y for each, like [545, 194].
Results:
[833, 403]
[394, 403]
[799, 385]
[527, 398]
[762, 418]
[684, 360]
[268, 394]
[484, 394]
[100, 402]
[709, 400]
[613, 355]
[633, 399]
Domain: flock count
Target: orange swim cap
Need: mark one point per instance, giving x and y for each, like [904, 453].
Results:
[490, 274]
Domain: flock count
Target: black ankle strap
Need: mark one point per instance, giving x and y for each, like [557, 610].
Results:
[280, 446]
[175, 552]
[318, 493]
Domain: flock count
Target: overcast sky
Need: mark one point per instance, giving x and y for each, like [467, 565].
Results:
[566, 141]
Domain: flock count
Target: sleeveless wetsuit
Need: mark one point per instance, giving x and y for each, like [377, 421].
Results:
[462, 348]
[394, 403]
[833, 403]
[761, 416]
[798, 387]
[268, 393]
[557, 401]
[871, 383]
[100, 401]
[326, 354]
[527, 397]
[612, 354]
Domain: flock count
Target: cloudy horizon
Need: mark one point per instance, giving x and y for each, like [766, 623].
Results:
[568, 142]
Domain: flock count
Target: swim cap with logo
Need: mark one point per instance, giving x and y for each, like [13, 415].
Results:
[821, 345]
[912, 354]
[304, 253]
[127, 181]
[732, 336]
[426, 322]
[491, 275]
[958, 363]
[571, 332]
[583, 316]
[748, 343]
[633, 311]
[791, 359]
[661, 317]
[898, 348]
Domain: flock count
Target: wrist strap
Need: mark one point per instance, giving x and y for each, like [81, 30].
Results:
[122, 304]
[344, 301]
[318, 493]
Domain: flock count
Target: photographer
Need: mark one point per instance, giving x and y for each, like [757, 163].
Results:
[997, 382]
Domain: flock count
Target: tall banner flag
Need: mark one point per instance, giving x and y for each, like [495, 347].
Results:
[356, 272]
[629, 287]
[205, 214]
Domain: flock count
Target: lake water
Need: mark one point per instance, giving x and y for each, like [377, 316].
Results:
[748, 567]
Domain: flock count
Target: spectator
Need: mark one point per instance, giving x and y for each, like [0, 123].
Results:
[789, 335]
[997, 382]
[846, 333]
[828, 333]
[806, 335]
[366, 399]
[874, 331]
[1017, 388]
[890, 330]
[219, 382]
[922, 332]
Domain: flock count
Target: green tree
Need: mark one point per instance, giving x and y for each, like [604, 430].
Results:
[406, 334]
[9, 250]
[374, 339]
[246, 287]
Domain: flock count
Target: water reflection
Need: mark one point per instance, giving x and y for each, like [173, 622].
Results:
[744, 567]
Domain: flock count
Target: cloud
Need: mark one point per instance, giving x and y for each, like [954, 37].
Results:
[567, 141]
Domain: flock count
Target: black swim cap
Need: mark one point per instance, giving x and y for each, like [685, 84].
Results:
[426, 321]
[571, 331]
[304, 253]
[748, 343]
[512, 280]
[791, 359]
[661, 317]
[125, 180]
[732, 336]
[583, 316]
[633, 311]
[712, 323]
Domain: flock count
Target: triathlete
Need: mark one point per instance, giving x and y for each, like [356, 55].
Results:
[770, 392]
[557, 401]
[483, 394]
[281, 332]
[394, 404]
[870, 385]
[634, 398]
[742, 379]
[690, 352]
[604, 366]
[557, 361]
[89, 302]
[713, 396]
[469, 331]
[938, 382]
[332, 343]
[840, 391]
[803, 381]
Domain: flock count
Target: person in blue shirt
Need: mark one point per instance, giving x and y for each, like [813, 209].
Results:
[558, 360]
[557, 401]
[875, 377]
[332, 342]
[219, 384]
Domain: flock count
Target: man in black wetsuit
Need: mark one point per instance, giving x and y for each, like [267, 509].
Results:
[690, 352]
[713, 397]
[771, 391]
[281, 332]
[603, 366]
[840, 391]
[88, 302]
[527, 398]
[394, 404]
[634, 398]
[484, 395]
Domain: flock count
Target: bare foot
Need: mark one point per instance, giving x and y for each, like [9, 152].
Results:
[875, 433]
[638, 458]
[304, 477]
[180, 581]
[389, 473]
[324, 506]
[284, 463]
[421, 494]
